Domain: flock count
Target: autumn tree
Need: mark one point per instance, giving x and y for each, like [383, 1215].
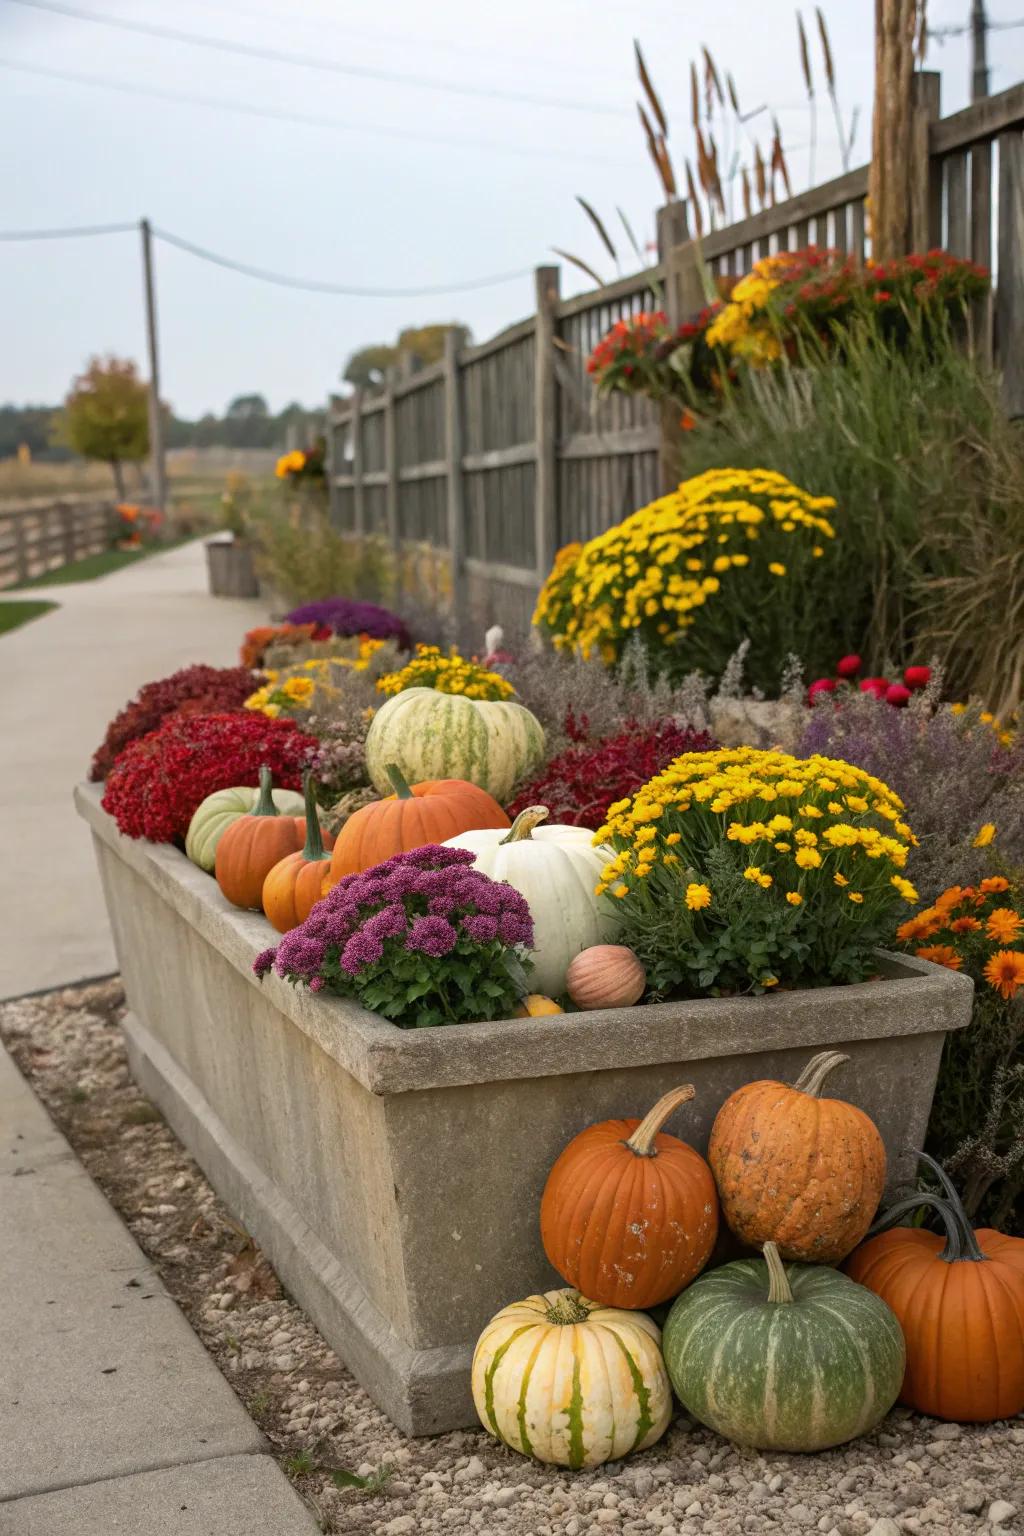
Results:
[423, 344]
[105, 415]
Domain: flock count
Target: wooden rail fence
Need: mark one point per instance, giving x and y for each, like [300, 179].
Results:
[500, 454]
[36, 539]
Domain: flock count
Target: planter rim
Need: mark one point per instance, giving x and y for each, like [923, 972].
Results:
[911, 997]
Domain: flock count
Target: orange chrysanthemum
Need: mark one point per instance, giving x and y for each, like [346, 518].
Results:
[994, 883]
[951, 897]
[1005, 972]
[942, 954]
[921, 926]
[1004, 925]
[965, 925]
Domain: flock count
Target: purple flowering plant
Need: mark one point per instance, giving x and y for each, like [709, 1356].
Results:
[348, 616]
[424, 939]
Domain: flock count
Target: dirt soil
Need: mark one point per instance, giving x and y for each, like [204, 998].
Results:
[911, 1475]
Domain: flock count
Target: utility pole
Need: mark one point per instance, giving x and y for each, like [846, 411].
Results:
[979, 53]
[158, 472]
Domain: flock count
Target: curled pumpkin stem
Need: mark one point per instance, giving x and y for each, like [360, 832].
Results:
[812, 1078]
[642, 1140]
[778, 1283]
[524, 824]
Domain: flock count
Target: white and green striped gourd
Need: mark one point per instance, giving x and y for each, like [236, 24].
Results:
[570, 1382]
[433, 735]
[791, 1357]
[215, 814]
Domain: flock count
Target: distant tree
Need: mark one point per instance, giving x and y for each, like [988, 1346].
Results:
[247, 408]
[105, 415]
[425, 343]
[365, 369]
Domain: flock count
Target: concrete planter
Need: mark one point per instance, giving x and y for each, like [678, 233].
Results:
[393, 1176]
[230, 567]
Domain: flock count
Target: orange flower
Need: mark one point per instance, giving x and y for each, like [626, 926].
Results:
[952, 898]
[921, 926]
[1004, 925]
[942, 954]
[994, 883]
[688, 421]
[965, 924]
[1005, 972]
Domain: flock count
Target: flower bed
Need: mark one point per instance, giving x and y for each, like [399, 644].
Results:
[393, 1179]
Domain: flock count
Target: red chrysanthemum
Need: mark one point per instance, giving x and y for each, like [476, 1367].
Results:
[157, 782]
[198, 690]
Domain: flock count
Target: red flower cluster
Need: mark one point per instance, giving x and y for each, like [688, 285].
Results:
[633, 335]
[157, 782]
[897, 694]
[198, 690]
[581, 783]
[258, 641]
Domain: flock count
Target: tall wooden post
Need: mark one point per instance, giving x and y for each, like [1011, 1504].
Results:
[925, 178]
[545, 406]
[355, 426]
[158, 472]
[391, 470]
[455, 509]
[684, 296]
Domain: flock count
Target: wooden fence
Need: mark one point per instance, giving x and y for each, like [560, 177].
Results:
[500, 454]
[39, 538]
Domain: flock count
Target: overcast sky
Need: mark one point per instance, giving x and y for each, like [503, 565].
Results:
[413, 185]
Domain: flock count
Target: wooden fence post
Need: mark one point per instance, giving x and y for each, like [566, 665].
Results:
[684, 296]
[67, 519]
[1010, 254]
[545, 408]
[925, 174]
[391, 470]
[453, 472]
[332, 460]
[355, 426]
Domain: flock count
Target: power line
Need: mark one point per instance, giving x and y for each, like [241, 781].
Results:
[302, 119]
[312, 61]
[307, 285]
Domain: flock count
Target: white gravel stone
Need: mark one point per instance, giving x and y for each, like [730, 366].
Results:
[1000, 1511]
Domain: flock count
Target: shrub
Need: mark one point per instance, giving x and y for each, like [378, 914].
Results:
[976, 1127]
[737, 871]
[958, 770]
[580, 783]
[308, 687]
[347, 617]
[453, 673]
[259, 641]
[303, 557]
[198, 690]
[423, 939]
[158, 781]
[730, 554]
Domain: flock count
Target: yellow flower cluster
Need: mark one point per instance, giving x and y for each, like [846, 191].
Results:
[1006, 730]
[718, 533]
[809, 826]
[290, 464]
[453, 673]
[291, 689]
[741, 325]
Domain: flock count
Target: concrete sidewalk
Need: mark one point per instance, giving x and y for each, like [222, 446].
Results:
[112, 1415]
[62, 677]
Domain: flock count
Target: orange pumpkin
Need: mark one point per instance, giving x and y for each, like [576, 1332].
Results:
[629, 1214]
[251, 846]
[295, 884]
[960, 1303]
[797, 1170]
[430, 812]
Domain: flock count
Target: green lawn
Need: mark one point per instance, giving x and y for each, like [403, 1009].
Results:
[103, 564]
[13, 614]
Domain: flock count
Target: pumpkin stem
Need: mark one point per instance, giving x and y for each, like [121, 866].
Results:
[817, 1069]
[569, 1308]
[961, 1243]
[265, 804]
[399, 783]
[313, 851]
[642, 1140]
[524, 824]
[778, 1285]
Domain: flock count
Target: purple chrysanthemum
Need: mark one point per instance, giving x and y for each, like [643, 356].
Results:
[361, 950]
[481, 928]
[346, 616]
[432, 936]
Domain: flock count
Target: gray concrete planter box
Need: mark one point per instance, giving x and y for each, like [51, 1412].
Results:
[393, 1176]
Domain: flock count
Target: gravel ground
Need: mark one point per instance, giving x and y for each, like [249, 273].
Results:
[913, 1474]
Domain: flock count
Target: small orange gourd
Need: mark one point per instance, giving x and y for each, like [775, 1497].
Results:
[535, 1005]
[629, 1214]
[797, 1170]
[251, 846]
[605, 976]
[295, 884]
[960, 1303]
[412, 817]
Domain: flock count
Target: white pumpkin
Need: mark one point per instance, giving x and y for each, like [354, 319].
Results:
[556, 869]
[577, 1401]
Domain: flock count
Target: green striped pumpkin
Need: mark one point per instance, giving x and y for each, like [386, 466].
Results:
[789, 1357]
[432, 735]
[568, 1381]
[214, 815]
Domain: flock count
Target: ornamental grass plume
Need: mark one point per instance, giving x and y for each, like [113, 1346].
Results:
[158, 781]
[423, 938]
[803, 859]
[198, 690]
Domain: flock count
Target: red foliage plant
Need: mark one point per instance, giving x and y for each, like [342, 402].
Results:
[581, 783]
[156, 784]
[198, 690]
